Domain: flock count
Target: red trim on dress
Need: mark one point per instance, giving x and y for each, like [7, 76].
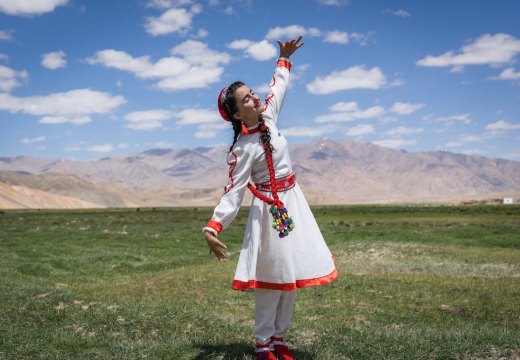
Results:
[284, 63]
[245, 131]
[298, 284]
[273, 82]
[267, 101]
[215, 225]
[227, 188]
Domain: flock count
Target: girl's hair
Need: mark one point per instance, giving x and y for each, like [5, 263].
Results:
[230, 107]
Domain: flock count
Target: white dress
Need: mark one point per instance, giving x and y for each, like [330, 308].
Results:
[267, 261]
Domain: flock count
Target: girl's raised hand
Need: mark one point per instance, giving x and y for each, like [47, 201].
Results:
[215, 245]
[289, 47]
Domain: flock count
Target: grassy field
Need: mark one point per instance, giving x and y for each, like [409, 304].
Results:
[415, 283]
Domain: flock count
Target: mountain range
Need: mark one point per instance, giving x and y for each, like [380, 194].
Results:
[329, 172]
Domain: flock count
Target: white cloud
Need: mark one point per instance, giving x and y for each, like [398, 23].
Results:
[402, 130]
[147, 120]
[196, 66]
[405, 108]
[167, 4]
[313, 32]
[262, 89]
[260, 51]
[205, 133]
[306, 131]
[122, 61]
[360, 130]
[338, 37]
[343, 112]
[208, 122]
[355, 77]
[360, 38]
[509, 74]
[502, 125]
[71, 119]
[344, 106]
[210, 130]
[162, 145]
[29, 7]
[6, 35]
[240, 44]
[10, 79]
[288, 32]
[28, 141]
[79, 146]
[73, 107]
[198, 53]
[400, 13]
[298, 72]
[54, 60]
[448, 120]
[106, 148]
[229, 10]
[486, 50]
[394, 143]
[197, 116]
[176, 20]
[463, 140]
[195, 78]
[201, 34]
[333, 2]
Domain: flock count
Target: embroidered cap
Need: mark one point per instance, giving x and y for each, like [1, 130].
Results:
[221, 100]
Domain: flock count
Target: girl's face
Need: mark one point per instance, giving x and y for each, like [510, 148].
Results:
[249, 105]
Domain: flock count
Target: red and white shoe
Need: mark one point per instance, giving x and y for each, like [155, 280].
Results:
[265, 351]
[281, 349]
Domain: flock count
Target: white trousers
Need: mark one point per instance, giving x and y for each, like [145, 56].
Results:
[273, 313]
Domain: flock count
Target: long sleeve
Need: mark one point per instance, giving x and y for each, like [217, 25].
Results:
[241, 160]
[278, 88]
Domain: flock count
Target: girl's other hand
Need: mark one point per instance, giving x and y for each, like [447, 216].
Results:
[215, 245]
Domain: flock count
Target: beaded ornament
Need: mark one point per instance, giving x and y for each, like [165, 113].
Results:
[282, 222]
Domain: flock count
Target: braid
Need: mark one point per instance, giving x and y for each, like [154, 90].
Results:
[230, 107]
[237, 129]
[265, 135]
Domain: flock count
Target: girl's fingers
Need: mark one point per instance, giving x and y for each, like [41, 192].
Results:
[222, 245]
[220, 255]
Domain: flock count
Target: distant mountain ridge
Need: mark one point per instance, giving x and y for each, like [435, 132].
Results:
[328, 171]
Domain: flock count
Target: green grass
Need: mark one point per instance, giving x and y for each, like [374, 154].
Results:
[415, 283]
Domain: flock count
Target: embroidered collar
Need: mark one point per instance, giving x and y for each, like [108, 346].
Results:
[250, 130]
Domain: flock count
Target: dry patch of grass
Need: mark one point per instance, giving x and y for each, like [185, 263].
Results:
[363, 258]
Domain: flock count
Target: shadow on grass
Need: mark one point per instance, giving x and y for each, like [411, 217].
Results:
[237, 351]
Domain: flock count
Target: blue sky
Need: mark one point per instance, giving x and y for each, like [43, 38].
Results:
[88, 79]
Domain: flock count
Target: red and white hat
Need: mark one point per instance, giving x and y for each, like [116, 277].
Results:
[221, 100]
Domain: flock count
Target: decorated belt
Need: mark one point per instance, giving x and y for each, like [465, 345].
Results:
[282, 184]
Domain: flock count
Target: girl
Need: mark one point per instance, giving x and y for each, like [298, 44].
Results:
[283, 248]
